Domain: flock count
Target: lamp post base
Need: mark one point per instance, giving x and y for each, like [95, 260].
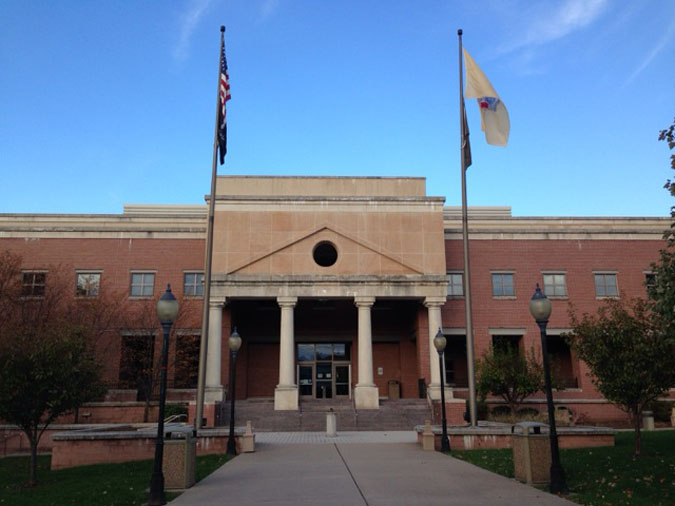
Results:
[156, 496]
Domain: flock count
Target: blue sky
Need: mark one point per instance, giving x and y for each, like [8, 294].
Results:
[106, 103]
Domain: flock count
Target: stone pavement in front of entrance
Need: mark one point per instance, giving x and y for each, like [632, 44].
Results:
[361, 469]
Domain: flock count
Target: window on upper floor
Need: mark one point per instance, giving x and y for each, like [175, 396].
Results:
[33, 283]
[555, 284]
[502, 284]
[87, 284]
[142, 284]
[455, 284]
[506, 343]
[193, 284]
[605, 284]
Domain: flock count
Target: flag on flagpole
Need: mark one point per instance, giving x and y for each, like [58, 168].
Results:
[466, 145]
[494, 118]
[223, 97]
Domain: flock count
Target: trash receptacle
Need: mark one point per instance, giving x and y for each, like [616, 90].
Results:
[531, 453]
[648, 420]
[178, 464]
[394, 389]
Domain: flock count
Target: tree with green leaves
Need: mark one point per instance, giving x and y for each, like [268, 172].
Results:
[629, 355]
[48, 340]
[510, 375]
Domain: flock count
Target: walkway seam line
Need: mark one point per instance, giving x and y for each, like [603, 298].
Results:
[365, 501]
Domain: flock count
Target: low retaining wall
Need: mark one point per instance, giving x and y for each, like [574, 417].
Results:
[492, 436]
[13, 440]
[126, 443]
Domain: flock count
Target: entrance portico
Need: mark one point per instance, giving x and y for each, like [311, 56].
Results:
[297, 243]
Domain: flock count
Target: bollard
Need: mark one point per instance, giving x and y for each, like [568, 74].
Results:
[428, 438]
[248, 439]
[331, 423]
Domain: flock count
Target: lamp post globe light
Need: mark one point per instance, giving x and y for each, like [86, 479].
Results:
[440, 343]
[167, 311]
[540, 309]
[235, 344]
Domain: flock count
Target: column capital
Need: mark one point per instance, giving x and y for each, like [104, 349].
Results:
[364, 301]
[434, 301]
[218, 303]
[287, 301]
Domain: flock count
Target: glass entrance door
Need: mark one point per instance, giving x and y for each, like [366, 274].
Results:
[324, 380]
[324, 371]
[306, 380]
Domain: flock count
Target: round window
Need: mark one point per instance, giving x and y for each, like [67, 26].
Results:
[325, 254]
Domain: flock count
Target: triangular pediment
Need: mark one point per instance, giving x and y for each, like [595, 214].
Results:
[355, 256]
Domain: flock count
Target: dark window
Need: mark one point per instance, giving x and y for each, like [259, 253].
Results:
[605, 285]
[187, 361]
[562, 368]
[88, 284]
[33, 284]
[142, 284]
[455, 362]
[193, 284]
[325, 254]
[502, 285]
[555, 285]
[137, 364]
[455, 284]
[506, 344]
[650, 281]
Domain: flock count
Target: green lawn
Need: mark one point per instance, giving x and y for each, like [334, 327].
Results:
[96, 485]
[606, 476]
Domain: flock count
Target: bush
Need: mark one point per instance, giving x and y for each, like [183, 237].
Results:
[175, 409]
[662, 410]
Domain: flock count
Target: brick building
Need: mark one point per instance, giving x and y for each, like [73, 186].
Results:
[338, 285]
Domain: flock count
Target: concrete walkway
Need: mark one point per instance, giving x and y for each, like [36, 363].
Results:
[359, 470]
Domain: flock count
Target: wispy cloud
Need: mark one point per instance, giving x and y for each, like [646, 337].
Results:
[653, 53]
[546, 24]
[268, 8]
[189, 19]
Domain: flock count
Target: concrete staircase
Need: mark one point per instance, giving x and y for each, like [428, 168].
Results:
[401, 414]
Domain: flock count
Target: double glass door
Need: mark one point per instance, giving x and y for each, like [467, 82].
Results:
[323, 370]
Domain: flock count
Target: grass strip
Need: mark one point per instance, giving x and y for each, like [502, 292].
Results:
[606, 476]
[123, 484]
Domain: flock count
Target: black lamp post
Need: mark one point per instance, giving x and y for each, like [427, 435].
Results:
[235, 344]
[167, 310]
[540, 308]
[439, 343]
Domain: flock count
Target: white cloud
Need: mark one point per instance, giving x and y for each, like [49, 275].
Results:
[653, 53]
[189, 20]
[546, 24]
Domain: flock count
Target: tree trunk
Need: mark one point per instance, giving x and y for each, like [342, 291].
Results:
[638, 441]
[32, 471]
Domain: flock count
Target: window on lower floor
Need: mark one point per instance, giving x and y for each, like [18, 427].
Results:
[555, 284]
[88, 284]
[502, 284]
[605, 284]
[506, 343]
[137, 364]
[33, 283]
[455, 362]
[193, 284]
[455, 284]
[562, 362]
[142, 284]
[186, 369]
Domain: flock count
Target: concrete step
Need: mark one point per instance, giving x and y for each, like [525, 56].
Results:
[401, 414]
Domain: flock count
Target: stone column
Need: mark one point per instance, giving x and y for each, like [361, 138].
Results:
[214, 391]
[433, 305]
[366, 395]
[286, 392]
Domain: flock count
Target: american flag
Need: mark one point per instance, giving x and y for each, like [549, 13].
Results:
[224, 96]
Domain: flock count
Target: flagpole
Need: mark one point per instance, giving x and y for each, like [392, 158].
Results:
[465, 244]
[203, 347]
